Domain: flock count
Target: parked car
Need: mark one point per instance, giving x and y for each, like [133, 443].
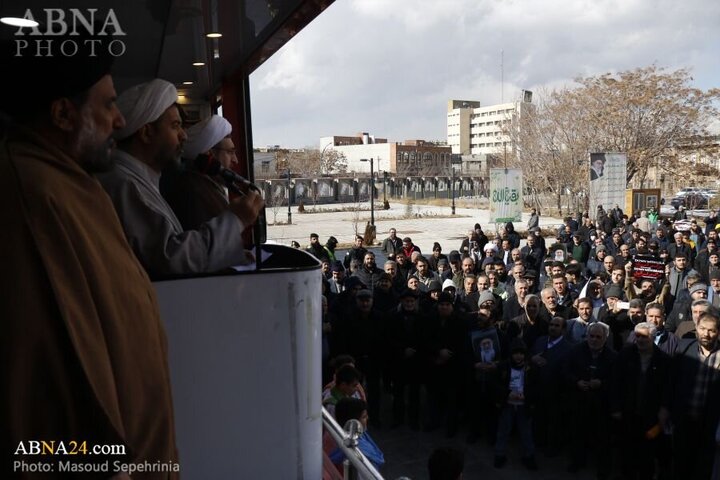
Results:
[687, 190]
[691, 201]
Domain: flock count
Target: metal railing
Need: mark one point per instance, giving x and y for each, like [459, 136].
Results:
[357, 466]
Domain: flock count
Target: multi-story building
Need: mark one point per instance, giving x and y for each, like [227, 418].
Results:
[474, 130]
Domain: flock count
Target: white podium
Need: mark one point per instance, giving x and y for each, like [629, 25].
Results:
[244, 352]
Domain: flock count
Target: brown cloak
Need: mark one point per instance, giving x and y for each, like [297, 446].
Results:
[82, 347]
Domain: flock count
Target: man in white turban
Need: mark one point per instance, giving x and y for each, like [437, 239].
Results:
[153, 139]
[198, 194]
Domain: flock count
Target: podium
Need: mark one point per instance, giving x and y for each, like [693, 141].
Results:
[245, 366]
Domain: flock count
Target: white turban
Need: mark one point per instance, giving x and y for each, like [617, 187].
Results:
[143, 104]
[490, 247]
[205, 135]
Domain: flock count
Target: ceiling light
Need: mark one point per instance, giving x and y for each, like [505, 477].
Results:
[198, 64]
[214, 35]
[187, 83]
[19, 22]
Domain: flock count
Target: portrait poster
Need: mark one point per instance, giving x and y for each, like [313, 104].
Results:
[607, 172]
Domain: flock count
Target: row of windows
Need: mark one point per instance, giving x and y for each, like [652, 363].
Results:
[425, 157]
[488, 124]
[490, 144]
[498, 112]
[488, 134]
[409, 164]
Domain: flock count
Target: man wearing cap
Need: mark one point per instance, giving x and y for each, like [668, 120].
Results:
[153, 139]
[530, 276]
[702, 259]
[384, 297]
[83, 348]
[687, 328]
[330, 248]
[682, 308]
[436, 257]
[579, 250]
[408, 247]
[195, 194]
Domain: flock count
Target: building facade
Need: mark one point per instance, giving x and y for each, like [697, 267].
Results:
[408, 158]
[476, 130]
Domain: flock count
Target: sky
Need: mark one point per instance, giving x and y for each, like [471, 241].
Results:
[389, 67]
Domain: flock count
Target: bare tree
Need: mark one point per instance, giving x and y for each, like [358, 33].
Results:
[275, 201]
[646, 113]
[311, 162]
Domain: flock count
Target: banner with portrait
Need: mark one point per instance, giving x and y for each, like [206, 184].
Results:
[607, 173]
[506, 195]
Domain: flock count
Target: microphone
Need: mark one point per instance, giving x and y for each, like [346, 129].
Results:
[211, 166]
[207, 164]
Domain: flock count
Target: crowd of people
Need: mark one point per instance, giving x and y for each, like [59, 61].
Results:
[598, 342]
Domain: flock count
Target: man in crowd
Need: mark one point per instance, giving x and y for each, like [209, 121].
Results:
[391, 245]
[315, 248]
[681, 309]
[696, 393]
[588, 378]
[356, 252]
[548, 355]
[424, 274]
[369, 273]
[640, 390]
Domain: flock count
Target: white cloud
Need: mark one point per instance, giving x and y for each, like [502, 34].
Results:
[389, 66]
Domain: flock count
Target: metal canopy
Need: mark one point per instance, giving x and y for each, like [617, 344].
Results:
[165, 37]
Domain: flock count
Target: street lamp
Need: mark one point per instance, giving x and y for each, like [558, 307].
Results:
[372, 190]
[454, 160]
[289, 198]
[385, 202]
